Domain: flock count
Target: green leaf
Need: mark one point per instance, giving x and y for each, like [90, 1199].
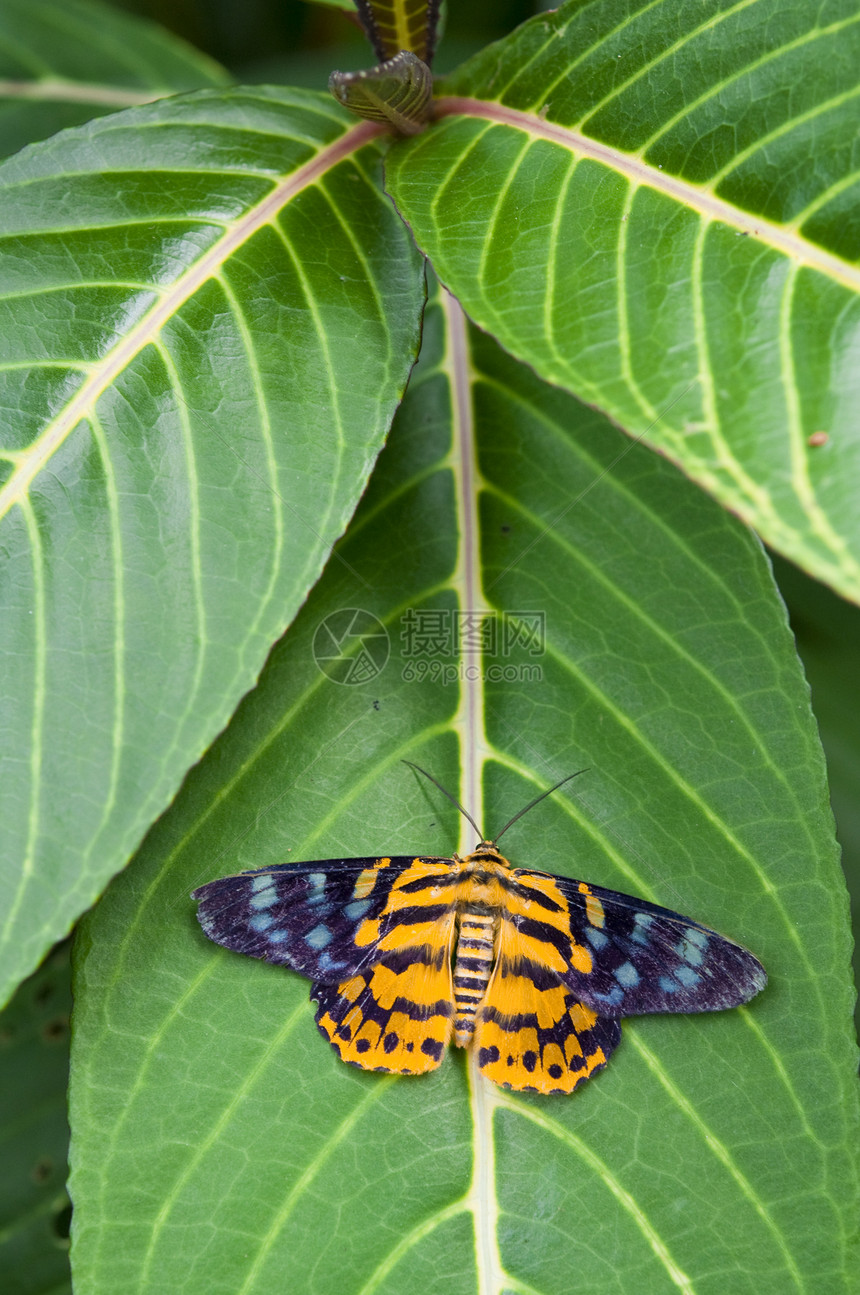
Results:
[209, 314]
[655, 206]
[219, 1144]
[63, 62]
[34, 1132]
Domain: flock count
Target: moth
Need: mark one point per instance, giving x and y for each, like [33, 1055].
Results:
[407, 954]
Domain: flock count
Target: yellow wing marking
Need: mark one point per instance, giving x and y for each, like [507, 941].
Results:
[418, 984]
[367, 879]
[398, 899]
[527, 1061]
[519, 996]
[401, 1047]
[397, 1015]
[593, 907]
[531, 1034]
[557, 918]
[366, 1030]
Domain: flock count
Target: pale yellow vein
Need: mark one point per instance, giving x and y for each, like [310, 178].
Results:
[238, 1096]
[408, 1242]
[372, 1095]
[722, 1153]
[116, 360]
[40, 631]
[114, 514]
[770, 55]
[658, 1246]
[698, 198]
[481, 1197]
[265, 429]
[466, 579]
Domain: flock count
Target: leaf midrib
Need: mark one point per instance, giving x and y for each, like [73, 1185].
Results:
[147, 329]
[698, 198]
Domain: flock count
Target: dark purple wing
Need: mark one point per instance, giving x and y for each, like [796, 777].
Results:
[318, 918]
[626, 957]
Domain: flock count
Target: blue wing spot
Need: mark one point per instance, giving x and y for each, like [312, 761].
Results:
[261, 922]
[357, 909]
[641, 923]
[668, 985]
[264, 892]
[326, 962]
[279, 936]
[596, 938]
[316, 883]
[319, 937]
[688, 978]
[626, 975]
[615, 995]
[689, 952]
[692, 947]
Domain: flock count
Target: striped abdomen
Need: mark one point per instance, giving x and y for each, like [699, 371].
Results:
[472, 968]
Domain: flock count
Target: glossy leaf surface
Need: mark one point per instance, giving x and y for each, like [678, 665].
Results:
[656, 206]
[219, 1142]
[191, 414]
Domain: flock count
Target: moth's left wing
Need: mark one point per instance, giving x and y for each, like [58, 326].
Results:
[373, 934]
[623, 956]
[396, 1015]
[324, 919]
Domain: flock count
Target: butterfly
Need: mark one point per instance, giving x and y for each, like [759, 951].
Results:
[407, 954]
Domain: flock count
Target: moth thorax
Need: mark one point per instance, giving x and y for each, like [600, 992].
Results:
[472, 967]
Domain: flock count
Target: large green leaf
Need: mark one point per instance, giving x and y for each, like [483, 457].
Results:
[219, 1144]
[655, 204]
[63, 62]
[209, 312]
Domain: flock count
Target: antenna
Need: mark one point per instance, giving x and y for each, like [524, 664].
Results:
[448, 794]
[536, 801]
[511, 821]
